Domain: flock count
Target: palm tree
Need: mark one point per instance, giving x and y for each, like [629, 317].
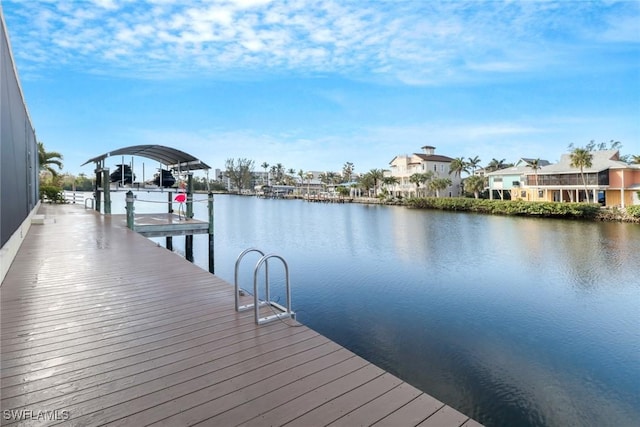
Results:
[377, 175]
[289, 176]
[335, 178]
[427, 177]
[635, 159]
[325, 179]
[274, 174]
[457, 166]
[495, 165]
[265, 166]
[535, 165]
[473, 163]
[367, 181]
[416, 179]
[343, 191]
[439, 184]
[48, 158]
[582, 158]
[309, 177]
[475, 184]
[301, 176]
[279, 173]
[390, 180]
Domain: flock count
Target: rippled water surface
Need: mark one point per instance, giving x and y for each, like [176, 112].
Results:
[513, 321]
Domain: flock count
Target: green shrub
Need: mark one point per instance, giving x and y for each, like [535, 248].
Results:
[508, 207]
[52, 193]
[633, 211]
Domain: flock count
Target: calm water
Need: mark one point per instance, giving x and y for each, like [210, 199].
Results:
[513, 321]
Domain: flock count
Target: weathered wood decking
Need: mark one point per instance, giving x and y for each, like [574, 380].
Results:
[101, 326]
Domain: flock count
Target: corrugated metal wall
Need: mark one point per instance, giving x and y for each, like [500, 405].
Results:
[18, 147]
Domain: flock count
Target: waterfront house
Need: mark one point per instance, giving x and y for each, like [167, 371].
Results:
[403, 166]
[609, 181]
[511, 181]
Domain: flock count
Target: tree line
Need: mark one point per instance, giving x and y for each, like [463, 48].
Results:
[241, 173]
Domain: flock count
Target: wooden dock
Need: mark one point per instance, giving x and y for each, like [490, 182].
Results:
[165, 224]
[101, 326]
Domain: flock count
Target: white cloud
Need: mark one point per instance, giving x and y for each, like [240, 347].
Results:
[414, 42]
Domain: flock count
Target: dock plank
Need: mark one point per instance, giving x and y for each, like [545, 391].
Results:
[103, 323]
[378, 408]
[444, 416]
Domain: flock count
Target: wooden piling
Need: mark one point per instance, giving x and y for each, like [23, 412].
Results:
[211, 245]
[105, 188]
[168, 239]
[130, 210]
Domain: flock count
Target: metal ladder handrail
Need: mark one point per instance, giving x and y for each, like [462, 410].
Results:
[237, 285]
[286, 312]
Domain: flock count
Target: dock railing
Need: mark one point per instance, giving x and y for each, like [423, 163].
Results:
[278, 311]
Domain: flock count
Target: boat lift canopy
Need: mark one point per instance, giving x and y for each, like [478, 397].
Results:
[172, 158]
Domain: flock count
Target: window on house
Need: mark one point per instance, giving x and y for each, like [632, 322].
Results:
[435, 168]
[441, 168]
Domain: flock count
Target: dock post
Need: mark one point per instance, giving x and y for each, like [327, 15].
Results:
[211, 247]
[188, 247]
[189, 213]
[130, 210]
[107, 195]
[97, 192]
[188, 239]
[169, 239]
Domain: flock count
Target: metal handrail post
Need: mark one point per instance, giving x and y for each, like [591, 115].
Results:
[287, 310]
[236, 284]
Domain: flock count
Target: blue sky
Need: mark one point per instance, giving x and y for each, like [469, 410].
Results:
[315, 84]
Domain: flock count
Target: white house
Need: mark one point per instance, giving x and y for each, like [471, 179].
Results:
[403, 166]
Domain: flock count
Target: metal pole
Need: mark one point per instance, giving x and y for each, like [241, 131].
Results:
[130, 210]
[211, 245]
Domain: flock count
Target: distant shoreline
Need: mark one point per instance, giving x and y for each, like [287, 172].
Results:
[556, 210]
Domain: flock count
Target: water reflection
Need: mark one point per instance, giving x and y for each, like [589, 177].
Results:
[514, 321]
